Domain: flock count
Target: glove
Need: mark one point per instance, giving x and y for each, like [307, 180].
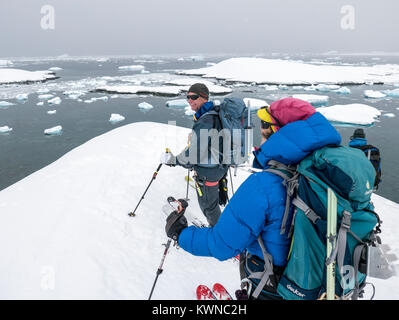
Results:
[176, 221]
[223, 193]
[168, 158]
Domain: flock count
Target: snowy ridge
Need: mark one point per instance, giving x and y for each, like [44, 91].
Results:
[65, 232]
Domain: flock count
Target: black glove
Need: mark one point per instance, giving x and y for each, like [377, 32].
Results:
[176, 221]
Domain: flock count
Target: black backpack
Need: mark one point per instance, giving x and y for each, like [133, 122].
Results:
[373, 154]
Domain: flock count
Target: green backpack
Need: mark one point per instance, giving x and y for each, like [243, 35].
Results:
[349, 176]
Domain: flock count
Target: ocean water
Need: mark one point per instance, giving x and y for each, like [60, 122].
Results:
[26, 149]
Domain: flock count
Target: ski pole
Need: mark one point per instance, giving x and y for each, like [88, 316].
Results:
[231, 181]
[178, 214]
[159, 271]
[133, 214]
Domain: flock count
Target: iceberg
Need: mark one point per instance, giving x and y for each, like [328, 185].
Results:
[132, 68]
[57, 130]
[52, 111]
[145, 106]
[389, 115]
[115, 118]
[5, 129]
[55, 69]
[187, 82]
[56, 100]
[45, 96]
[197, 58]
[167, 91]
[40, 103]
[360, 114]
[5, 104]
[327, 87]
[74, 94]
[22, 97]
[392, 93]
[178, 103]
[343, 90]
[373, 94]
[313, 99]
[288, 72]
[8, 76]
[43, 90]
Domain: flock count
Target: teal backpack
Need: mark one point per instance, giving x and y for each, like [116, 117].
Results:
[350, 176]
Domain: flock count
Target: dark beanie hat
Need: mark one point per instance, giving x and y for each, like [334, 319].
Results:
[359, 133]
[201, 89]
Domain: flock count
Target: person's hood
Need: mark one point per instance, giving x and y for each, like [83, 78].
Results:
[295, 140]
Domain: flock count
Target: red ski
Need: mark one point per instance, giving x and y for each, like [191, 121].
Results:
[220, 292]
[204, 293]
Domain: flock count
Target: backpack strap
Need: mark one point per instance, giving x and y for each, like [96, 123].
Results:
[290, 181]
[263, 276]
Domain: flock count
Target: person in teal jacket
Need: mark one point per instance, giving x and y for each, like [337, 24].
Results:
[291, 129]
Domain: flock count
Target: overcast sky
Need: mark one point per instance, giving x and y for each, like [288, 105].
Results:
[118, 27]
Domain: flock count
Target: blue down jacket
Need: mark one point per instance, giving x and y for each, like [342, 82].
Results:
[258, 205]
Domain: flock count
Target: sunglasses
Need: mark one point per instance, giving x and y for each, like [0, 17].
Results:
[265, 125]
[193, 97]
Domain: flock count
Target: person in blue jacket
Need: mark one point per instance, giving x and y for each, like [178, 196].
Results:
[291, 129]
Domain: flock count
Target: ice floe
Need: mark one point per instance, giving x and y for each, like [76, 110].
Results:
[57, 130]
[168, 91]
[5, 104]
[373, 94]
[145, 106]
[138, 67]
[23, 76]
[313, 99]
[178, 103]
[389, 115]
[392, 93]
[55, 100]
[22, 97]
[356, 113]
[5, 129]
[115, 118]
[45, 96]
[277, 71]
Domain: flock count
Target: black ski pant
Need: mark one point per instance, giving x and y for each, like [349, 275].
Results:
[208, 199]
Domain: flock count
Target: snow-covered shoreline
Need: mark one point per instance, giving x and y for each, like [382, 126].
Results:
[76, 241]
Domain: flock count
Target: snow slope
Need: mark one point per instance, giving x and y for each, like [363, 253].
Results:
[65, 232]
